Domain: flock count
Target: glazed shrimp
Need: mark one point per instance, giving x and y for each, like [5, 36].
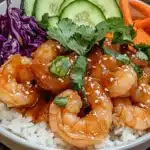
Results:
[43, 56]
[88, 130]
[15, 88]
[126, 114]
[119, 82]
[99, 65]
[141, 93]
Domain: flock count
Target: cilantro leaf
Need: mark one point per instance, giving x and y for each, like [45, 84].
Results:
[81, 38]
[141, 47]
[78, 71]
[44, 21]
[121, 34]
[77, 38]
[141, 55]
[137, 69]
[143, 50]
[122, 58]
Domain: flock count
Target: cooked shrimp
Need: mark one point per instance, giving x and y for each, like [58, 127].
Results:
[126, 114]
[39, 113]
[14, 91]
[141, 93]
[120, 81]
[43, 56]
[99, 64]
[88, 130]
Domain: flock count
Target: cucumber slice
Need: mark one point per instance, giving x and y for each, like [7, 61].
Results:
[110, 8]
[28, 6]
[47, 6]
[83, 12]
[64, 4]
[53, 21]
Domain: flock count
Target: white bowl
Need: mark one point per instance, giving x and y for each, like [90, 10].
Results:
[17, 143]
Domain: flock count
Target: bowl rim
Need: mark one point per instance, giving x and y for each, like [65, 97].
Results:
[24, 142]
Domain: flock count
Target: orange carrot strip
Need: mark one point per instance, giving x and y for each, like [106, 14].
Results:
[109, 35]
[124, 5]
[141, 7]
[142, 37]
[142, 23]
[131, 49]
[142, 63]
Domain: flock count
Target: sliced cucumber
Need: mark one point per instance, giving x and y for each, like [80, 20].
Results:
[110, 8]
[28, 6]
[64, 4]
[53, 21]
[83, 12]
[47, 6]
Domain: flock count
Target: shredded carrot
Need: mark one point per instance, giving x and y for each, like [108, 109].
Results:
[141, 7]
[142, 63]
[109, 35]
[142, 23]
[148, 30]
[142, 37]
[124, 5]
[131, 49]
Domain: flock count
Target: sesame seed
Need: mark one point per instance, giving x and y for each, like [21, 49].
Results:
[111, 79]
[94, 67]
[61, 80]
[89, 60]
[106, 89]
[97, 92]
[105, 58]
[27, 92]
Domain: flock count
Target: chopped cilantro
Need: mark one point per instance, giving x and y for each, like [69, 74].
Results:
[78, 71]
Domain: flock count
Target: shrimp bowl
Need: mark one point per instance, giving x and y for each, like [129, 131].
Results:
[75, 74]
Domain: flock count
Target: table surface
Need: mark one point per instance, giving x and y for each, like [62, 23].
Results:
[2, 147]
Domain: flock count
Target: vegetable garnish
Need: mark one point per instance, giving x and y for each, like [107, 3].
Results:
[18, 34]
[141, 7]
[141, 55]
[121, 34]
[74, 37]
[81, 38]
[122, 58]
[78, 71]
[137, 69]
[60, 101]
[60, 66]
[143, 51]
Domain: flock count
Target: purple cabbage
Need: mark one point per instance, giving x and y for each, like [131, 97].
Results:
[19, 34]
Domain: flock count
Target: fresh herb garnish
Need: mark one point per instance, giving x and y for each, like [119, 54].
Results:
[61, 101]
[78, 71]
[60, 66]
[121, 34]
[122, 58]
[77, 38]
[81, 38]
[141, 55]
[137, 69]
[143, 49]
[44, 22]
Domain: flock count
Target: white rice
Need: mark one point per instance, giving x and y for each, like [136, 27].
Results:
[42, 135]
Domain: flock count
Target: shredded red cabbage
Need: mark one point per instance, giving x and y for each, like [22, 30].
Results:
[19, 34]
